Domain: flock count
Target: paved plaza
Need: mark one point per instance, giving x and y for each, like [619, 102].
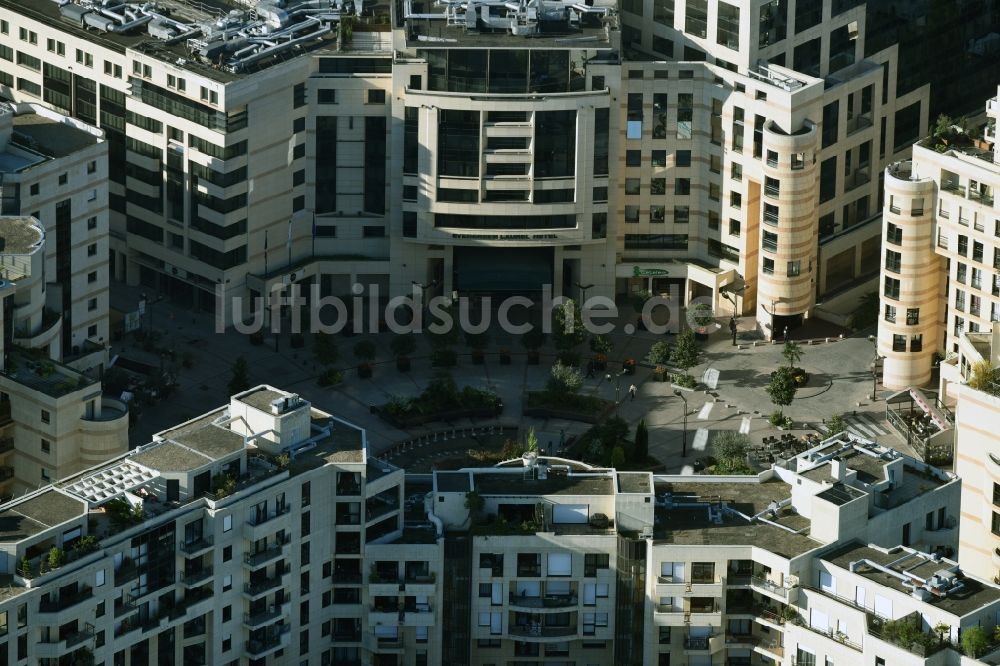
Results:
[840, 383]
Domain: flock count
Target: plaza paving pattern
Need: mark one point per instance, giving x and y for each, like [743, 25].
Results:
[840, 384]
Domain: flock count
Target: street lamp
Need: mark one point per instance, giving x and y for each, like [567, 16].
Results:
[872, 339]
[583, 292]
[617, 379]
[684, 450]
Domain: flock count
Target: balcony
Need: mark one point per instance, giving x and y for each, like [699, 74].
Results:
[264, 518]
[263, 586]
[260, 618]
[268, 555]
[194, 577]
[696, 643]
[259, 648]
[65, 602]
[769, 587]
[547, 601]
[837, 636]
[541, 631]
[196, 546]
[52, 648]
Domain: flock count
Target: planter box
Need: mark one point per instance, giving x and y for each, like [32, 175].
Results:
[450, 415]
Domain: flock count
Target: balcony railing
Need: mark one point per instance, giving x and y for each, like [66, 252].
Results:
[768, 586]
[195, 545]
[196, 576]
[265, 585]
[696, 642]
[272, 552]
[547, 601]
[257, 520]
[532, 571]
[541, 630]
[65, 601]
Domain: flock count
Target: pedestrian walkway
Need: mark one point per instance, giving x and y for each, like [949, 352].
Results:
[862, 424]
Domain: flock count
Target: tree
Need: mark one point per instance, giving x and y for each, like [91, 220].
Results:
[533, 339]
[686, 353]
[240, 380]
[639, 299]
[942, 127]
[730, 445]
[601, 344]
[365, 350]
[659, 353]
[403, 344]
[866, 314]
[474, 502]
[532, 440]
[836, 425]
[325, 348]
[564, 379]
[984, 377]
[782, 387]
[617, 457]
[792, 352]
[568, 330]
[974, 641]
[641, 451]
[701, 315]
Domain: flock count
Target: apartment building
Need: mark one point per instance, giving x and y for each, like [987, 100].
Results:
[941, 265]
[977, 449]
[54, 168]
[475, 149]
[819, 560]
[54, 420]
[245, 535]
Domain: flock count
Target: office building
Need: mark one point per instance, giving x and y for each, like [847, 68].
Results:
[596, 148]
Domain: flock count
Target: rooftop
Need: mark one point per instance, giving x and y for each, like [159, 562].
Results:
[50, 137]
[693, 517]
[556, 24]
[171, 457]
[634, 482]
[974, 594]
[44, 375]
[218, 39]
[573, 484]
[201, 435]
[19, 520]
[20, 235]
[261, 398]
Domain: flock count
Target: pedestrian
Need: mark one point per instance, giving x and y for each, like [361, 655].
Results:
[632, 391]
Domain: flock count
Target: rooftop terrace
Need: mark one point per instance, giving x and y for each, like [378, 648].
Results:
[44, 375]
[49, 136]
[20, 235]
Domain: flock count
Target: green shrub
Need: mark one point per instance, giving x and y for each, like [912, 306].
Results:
[685, 380]
[659, 353]
[564, 379]
[330, 377]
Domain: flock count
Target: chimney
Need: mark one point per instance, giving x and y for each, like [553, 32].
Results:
[837, 469]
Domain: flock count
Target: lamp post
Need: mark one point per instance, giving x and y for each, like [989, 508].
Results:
[684, 441]
[872, 339]
[583, 292]
[617, 379]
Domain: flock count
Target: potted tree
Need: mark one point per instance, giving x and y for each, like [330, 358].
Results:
[532, 341]
[402, 346]
[364, 351]
[477, 342]
[601, 345]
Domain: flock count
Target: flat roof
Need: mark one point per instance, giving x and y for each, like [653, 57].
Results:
[261, 398]
[573, 484]
[201, 435]
[19, 235]
[175, 52]
[634, 482]
[42, 512]
[45, 375]
[51, 137]
[974, 596]
[344, 444]
[171, 457]
[691, 525]
[452, 482]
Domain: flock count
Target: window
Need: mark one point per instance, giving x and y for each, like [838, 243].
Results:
[893, 234]
[45, 474]
[633, 158]
[99, 578]
[227, 523]
[899, 343]
[696, 18]
[227, 582]
[890, 313]
[892, 261]
[912, 316]
[728, 26]
[299, 95]
[770, 241]
[734, 227]
[299, 125]
[46, 417]
[682, 158]
[768, 266]
[659, 158]
[632, 185]
[891, 288]
[594, 561]
[736, 199]
[963, 245]
[91, 304]
[682, 214]
[794, 268]
[682, 186]
[299, 151]
[560, 564]
[658, 186]
[632, 214]
[27, 35]
[92, 250]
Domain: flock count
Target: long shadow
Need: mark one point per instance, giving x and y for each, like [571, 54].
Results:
[745, 378]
